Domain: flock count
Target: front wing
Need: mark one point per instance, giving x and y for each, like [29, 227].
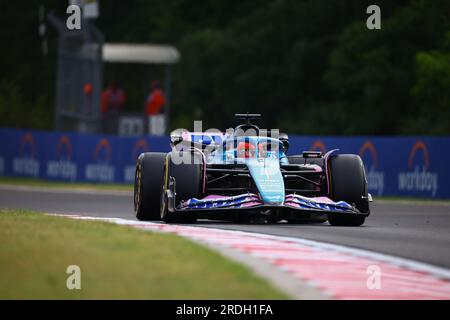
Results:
[252, 202]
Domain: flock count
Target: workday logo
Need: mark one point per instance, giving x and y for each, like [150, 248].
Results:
[139, 147]
[318, 145]
[418, 178]
[375, 178]
[63, 167]
[101, 170]
[103, 151]
[26, 164]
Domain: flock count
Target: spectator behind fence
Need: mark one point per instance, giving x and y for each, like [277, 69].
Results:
[154, 109]
[87, 98]
[112, 103]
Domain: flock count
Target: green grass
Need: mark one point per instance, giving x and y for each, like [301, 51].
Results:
[55, 184]
[116, 262]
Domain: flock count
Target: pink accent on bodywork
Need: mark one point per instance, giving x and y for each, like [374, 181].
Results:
[204, 172]
[316, 167]
[251, 204]
[323, 200]
[227, 198]
[292, 204]
[186, 135]
[327, 174]
[213, 197]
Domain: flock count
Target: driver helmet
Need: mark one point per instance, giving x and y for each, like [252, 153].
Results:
[246, 150]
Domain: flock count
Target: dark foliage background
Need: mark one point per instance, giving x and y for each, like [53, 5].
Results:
[311, 67]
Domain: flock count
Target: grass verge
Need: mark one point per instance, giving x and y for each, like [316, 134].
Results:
[116, 262]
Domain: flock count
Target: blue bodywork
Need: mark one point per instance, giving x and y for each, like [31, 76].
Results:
[264, 167]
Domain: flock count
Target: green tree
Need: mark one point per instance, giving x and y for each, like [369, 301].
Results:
[371, 73]
[432, 92]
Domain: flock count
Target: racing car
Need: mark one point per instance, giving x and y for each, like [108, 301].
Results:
[247, 175]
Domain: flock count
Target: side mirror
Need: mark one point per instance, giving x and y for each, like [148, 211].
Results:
[176, 137]
[284, 138]
[174, 140]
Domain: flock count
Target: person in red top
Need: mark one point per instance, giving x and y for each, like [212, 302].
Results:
[113, 99]
[112, 103]
[155, 100]
[154, 109]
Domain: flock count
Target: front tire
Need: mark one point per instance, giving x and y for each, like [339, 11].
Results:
[147, 185]
[348, 183]
[188, 184]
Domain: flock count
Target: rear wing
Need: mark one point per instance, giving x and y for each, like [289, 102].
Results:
[247, 117]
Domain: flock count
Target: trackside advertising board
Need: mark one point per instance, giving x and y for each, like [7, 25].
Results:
[396, 166]
[73, 157]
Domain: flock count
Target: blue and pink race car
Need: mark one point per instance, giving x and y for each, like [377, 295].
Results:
[246, 175]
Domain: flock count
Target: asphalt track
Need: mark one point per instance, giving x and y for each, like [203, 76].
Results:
[418, 231]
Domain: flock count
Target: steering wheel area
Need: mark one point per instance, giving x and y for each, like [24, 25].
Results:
[246, 130]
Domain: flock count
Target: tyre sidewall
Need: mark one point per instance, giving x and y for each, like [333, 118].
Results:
[148, 182]
[188, 179]
[348, 183]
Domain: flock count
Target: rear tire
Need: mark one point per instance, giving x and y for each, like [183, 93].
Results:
[349, 184]
[147, 185]
[188, 184]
